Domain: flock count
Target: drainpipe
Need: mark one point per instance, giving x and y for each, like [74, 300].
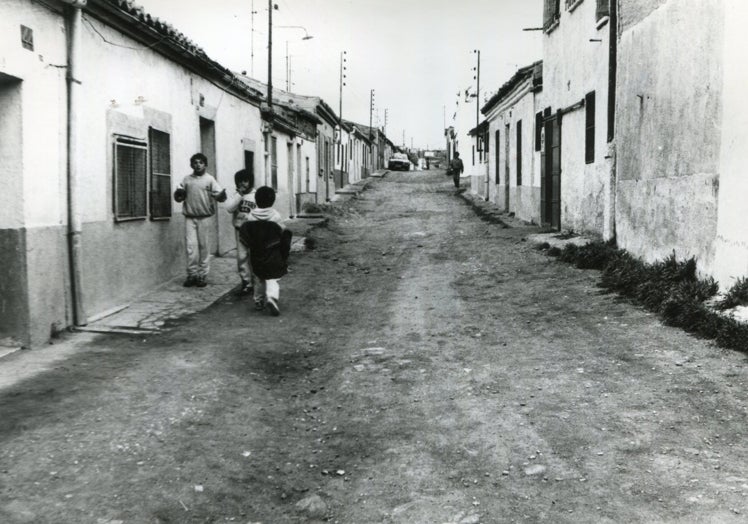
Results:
[74, 217]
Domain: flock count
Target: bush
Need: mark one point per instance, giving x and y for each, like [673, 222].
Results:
[737, 295]
[670, 288]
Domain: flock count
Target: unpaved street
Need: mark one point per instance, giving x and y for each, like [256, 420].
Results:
[427, 367]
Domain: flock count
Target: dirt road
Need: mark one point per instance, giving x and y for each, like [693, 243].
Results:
[427, 367]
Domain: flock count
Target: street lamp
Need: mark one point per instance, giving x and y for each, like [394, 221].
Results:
[306, 36]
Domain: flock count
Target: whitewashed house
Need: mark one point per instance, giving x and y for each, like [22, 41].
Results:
[681, 131]
[92, 153]
[513, 143]
[577, 186]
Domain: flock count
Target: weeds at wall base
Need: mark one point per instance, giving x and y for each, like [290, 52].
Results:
[670, 288]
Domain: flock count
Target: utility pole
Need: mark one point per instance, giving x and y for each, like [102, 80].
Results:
[385, 121]
[270, 55]
[343, 68]
[477, 89]
[252, 35]
[403, 138]
[371, 110]
[288, 70]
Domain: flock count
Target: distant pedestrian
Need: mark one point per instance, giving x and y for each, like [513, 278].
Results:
[455, 169]
[240, 205]
[269, 244]
[198, 191]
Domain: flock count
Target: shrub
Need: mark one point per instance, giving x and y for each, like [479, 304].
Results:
[670, 288]
[737, 295]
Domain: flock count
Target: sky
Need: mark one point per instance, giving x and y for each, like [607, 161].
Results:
[415, 54]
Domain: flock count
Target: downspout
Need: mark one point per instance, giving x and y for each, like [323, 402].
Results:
[75, 18]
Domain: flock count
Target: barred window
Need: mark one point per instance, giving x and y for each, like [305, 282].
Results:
[130, 178]
[160, 196]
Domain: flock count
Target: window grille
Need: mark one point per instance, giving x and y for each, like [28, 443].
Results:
[160, 197]
[538, 130]
[130, 178]
[589, 135]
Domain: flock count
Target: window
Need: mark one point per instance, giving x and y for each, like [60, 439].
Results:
[274, 162]
[308, 182]
[130, 178]
[27, 38]
[603, 9]
[160, 153]
[589, 128]
[249, 165]
[519, 152]
[551, 13]
[497, 142]
[538, 130]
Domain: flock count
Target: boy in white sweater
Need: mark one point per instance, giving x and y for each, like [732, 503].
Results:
[269, 244]
[199, 191]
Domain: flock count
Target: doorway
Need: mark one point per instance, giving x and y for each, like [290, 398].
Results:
[550, 176]
[208, 148]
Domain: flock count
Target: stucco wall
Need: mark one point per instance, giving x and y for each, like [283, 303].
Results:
[732, 232]
[575, 63]
[668, 116]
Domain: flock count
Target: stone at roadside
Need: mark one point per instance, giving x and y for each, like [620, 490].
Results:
[312, 507]
[535, 469]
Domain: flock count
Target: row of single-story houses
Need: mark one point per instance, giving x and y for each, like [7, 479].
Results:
[632, 127]
[101, 107]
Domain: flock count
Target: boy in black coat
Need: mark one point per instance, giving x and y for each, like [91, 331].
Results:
[269, 244]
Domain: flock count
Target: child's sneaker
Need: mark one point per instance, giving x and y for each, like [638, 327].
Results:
[201, 282]
[259, 305]
[191, 281]
[273, 307]
[247, 287]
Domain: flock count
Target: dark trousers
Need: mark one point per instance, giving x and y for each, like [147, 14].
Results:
[456, 178]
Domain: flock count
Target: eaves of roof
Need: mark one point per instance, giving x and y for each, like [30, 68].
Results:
[534, 71]
[480, 128]
[132, 20]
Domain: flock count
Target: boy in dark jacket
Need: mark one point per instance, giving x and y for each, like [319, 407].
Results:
[269, 244]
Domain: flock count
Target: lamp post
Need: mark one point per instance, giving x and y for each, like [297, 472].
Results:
[306, 36]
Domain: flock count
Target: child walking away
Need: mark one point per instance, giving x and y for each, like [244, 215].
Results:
[240, 205]
[269, 244]
[198, 192]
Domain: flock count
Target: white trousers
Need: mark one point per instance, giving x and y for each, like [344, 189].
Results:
[198, 250]
[243, 266]
[265, 289]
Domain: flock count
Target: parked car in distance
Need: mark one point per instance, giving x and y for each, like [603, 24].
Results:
[399, 162]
